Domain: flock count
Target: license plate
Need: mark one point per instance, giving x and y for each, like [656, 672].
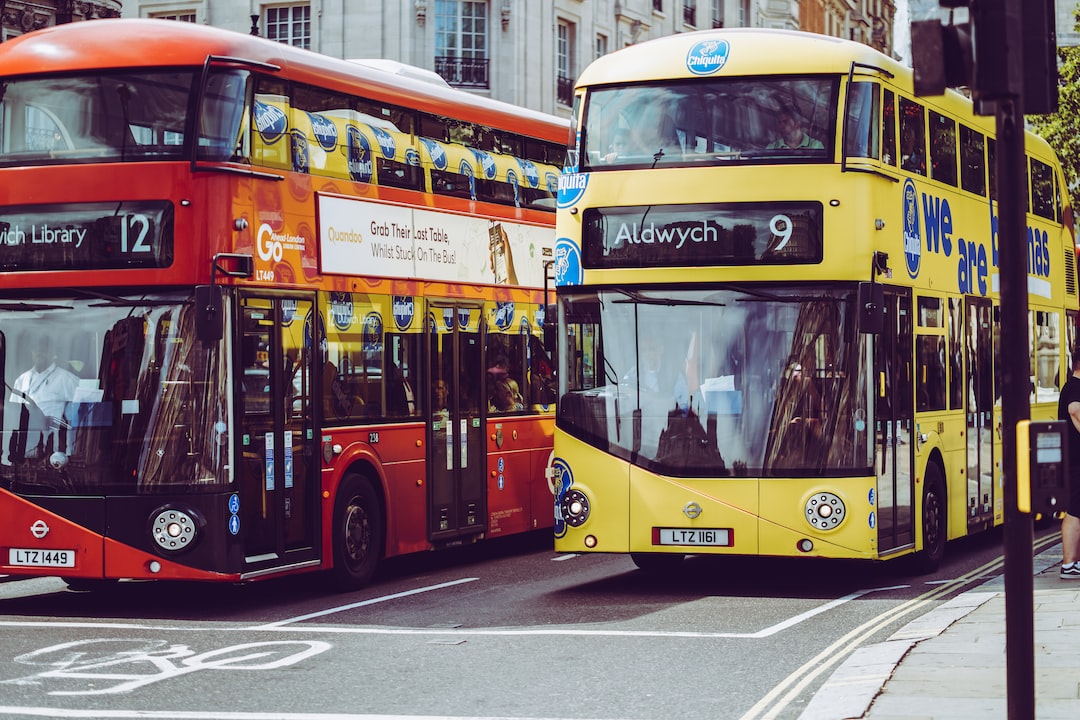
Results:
[41, 558]
[716, 537]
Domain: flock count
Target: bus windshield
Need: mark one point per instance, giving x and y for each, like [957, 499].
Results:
[110, 394]
[715, 120]
[110, 116]
[719, 382]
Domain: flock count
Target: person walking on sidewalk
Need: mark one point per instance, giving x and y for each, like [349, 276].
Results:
[1069, 409]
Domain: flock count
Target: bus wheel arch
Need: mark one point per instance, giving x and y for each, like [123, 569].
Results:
[359, 529]
[933, 517]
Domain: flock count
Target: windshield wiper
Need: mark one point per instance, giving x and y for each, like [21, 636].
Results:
[31, 307]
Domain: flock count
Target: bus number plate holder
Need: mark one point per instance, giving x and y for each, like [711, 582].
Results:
[698, 537]
[23, 557]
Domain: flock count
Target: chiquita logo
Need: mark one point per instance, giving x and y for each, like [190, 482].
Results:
[912, 233]
[404, 311]
[324, 130]
[436, 152]
[528, 168]
[386, 142]
[571, 188]
[359, 155]
[708, 56]
[270, 121]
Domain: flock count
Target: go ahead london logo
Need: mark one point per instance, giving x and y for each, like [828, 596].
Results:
[707, 56]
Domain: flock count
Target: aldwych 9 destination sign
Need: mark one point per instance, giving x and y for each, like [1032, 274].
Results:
[702, 235]
[86, 236]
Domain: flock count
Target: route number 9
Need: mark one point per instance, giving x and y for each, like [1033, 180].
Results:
[781, 226]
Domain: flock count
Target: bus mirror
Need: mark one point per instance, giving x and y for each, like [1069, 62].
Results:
[871, 308]
[551, 327]
[208, 317]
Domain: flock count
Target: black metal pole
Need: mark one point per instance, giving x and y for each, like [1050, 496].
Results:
[1015, 406]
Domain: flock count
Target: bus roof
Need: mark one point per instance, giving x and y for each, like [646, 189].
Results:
[769, 52]
[750, 51]
[135, 43]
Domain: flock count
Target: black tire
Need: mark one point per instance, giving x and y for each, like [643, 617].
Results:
[934, 521]
[658, 563]
[358, 533]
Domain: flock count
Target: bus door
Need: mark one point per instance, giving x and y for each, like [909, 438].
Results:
[893, 415]
[457, 484]
[979, 352]
[278, 473]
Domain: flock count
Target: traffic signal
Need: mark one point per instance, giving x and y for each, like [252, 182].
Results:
[1004, 48]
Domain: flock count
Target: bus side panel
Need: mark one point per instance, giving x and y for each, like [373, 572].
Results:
[516, 474]
[406, 515]
[725, 503]
[784, 522]
[604, 480]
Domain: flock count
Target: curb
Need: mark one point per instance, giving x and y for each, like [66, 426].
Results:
[848, 693]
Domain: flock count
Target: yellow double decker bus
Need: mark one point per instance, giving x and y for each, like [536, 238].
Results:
[777, 277]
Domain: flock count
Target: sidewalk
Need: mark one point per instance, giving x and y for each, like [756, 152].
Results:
[950, 663]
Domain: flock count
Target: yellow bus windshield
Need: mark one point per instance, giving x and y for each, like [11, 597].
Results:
[767, 119]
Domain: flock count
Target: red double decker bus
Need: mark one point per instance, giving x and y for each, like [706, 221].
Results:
[263, 311]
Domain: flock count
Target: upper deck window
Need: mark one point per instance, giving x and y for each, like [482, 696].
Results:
[118, 117]
[714, 120]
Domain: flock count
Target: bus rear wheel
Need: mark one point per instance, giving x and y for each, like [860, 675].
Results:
[659, 563]
[934, 527]
[358, 533]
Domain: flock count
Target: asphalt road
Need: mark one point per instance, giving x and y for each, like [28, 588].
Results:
[505, 630]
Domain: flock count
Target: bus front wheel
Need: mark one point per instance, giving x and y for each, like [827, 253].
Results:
[934, 528]
[358, 533]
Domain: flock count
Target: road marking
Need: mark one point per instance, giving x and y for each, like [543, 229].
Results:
[777, 700]
[362, 603]
[11, 711]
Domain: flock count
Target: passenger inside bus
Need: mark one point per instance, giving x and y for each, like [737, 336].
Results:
[619, 146]
[50, 388]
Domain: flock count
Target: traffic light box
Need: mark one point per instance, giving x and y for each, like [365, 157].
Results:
[979, 52]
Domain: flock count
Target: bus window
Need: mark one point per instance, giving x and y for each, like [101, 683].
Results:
[1042, 189]
[505, 376]
[956, 353]
[942, 148]
[862, 122]
[912, 136]
[888, 128]
[991, 166]
[222, 130]
[402, 383]
[1047, 360]
[930, 374]
[972, 161]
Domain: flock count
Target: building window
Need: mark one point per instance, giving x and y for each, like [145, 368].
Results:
[689, 12]
[601, 45]
[744, 13]
[564, 62]
[718, 13]
[178, 16]
[461, 42]
[290, 25]
[658, 5]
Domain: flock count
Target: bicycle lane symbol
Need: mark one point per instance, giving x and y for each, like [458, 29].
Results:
[132, 664]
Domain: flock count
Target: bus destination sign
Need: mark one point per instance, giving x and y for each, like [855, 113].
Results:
[86, 236]
[706, 235]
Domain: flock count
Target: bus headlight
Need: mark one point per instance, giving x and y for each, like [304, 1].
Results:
[575, 508]
[825, 511]
[174, 529]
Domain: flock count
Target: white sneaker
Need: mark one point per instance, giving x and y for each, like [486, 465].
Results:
[1070, 571]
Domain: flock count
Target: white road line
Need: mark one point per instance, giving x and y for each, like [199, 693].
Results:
[280, 626]
[362, 603]
[11, 711]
